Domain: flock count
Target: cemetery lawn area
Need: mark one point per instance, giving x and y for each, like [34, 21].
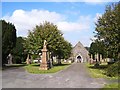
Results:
[99, 72]
[113, 85]
[95, 72]
[34, 68]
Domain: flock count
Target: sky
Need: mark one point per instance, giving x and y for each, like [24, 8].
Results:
[76, 20]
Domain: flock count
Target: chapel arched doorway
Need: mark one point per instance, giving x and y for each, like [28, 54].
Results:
[79, 58]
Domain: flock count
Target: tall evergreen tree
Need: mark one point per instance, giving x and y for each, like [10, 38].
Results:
[19, 55]
[8, 39]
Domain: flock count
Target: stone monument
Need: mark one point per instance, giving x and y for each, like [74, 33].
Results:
[44, 64]
[28, 60]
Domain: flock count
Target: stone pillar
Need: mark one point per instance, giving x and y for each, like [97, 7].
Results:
[91, 59]
[44, 64]
[101, 58]
[28, 60]
[97, 57]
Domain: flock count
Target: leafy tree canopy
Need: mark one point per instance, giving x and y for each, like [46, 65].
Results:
[56, 44]
[108, 29]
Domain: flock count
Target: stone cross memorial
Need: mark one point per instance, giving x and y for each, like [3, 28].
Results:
[44, 64]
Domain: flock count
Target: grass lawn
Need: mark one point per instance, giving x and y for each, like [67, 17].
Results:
[100, 73]
[34, 68]
[113, 85]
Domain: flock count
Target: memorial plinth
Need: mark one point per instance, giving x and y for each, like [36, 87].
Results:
[44, 64]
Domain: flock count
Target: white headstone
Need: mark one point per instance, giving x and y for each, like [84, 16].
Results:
[10, 59]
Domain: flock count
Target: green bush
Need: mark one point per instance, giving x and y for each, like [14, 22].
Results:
[113, 70]
[17, 60]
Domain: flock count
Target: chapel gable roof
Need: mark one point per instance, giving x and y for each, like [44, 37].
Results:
[79, 48]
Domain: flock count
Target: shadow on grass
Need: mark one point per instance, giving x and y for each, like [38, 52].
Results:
[98, 67]
[53, 65]
[14, 66]
[60, 64]
[35, 64]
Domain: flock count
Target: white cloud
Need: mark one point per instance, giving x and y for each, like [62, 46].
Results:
[26, 20]
[73, 26]
[98, 15]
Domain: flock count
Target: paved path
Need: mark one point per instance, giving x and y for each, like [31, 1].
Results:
[75, 76]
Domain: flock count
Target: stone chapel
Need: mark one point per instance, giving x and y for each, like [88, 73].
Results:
[79, 53]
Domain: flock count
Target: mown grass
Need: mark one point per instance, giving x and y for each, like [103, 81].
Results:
[34, 68]
[99, 72]
[113, 86]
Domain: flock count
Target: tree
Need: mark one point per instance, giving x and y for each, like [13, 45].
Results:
[18, 51]
[97, 47]
[64, 50]
[8, 39]
[55, 41]
[108, 30]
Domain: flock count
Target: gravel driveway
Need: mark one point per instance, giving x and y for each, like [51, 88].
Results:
[75, 76]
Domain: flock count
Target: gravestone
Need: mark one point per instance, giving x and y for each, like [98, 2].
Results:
[69, 61]
[97, 57]
[10, 59]
[44, 64]
[54, 59]
[65, 61]
[91, 59]
[101, 58]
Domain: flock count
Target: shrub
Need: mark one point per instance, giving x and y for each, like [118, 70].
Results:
[113, 69]
[97, 64]
[17, 60]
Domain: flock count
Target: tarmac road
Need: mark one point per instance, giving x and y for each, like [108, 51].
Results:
[75, 76]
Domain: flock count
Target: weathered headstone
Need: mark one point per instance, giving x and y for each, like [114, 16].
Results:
[65, 61]
[69, 61]
[91, 59]
[10, 59]
[44, 64]
[55, 59]
[108, 59]
[97, 57]
[101, 58]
